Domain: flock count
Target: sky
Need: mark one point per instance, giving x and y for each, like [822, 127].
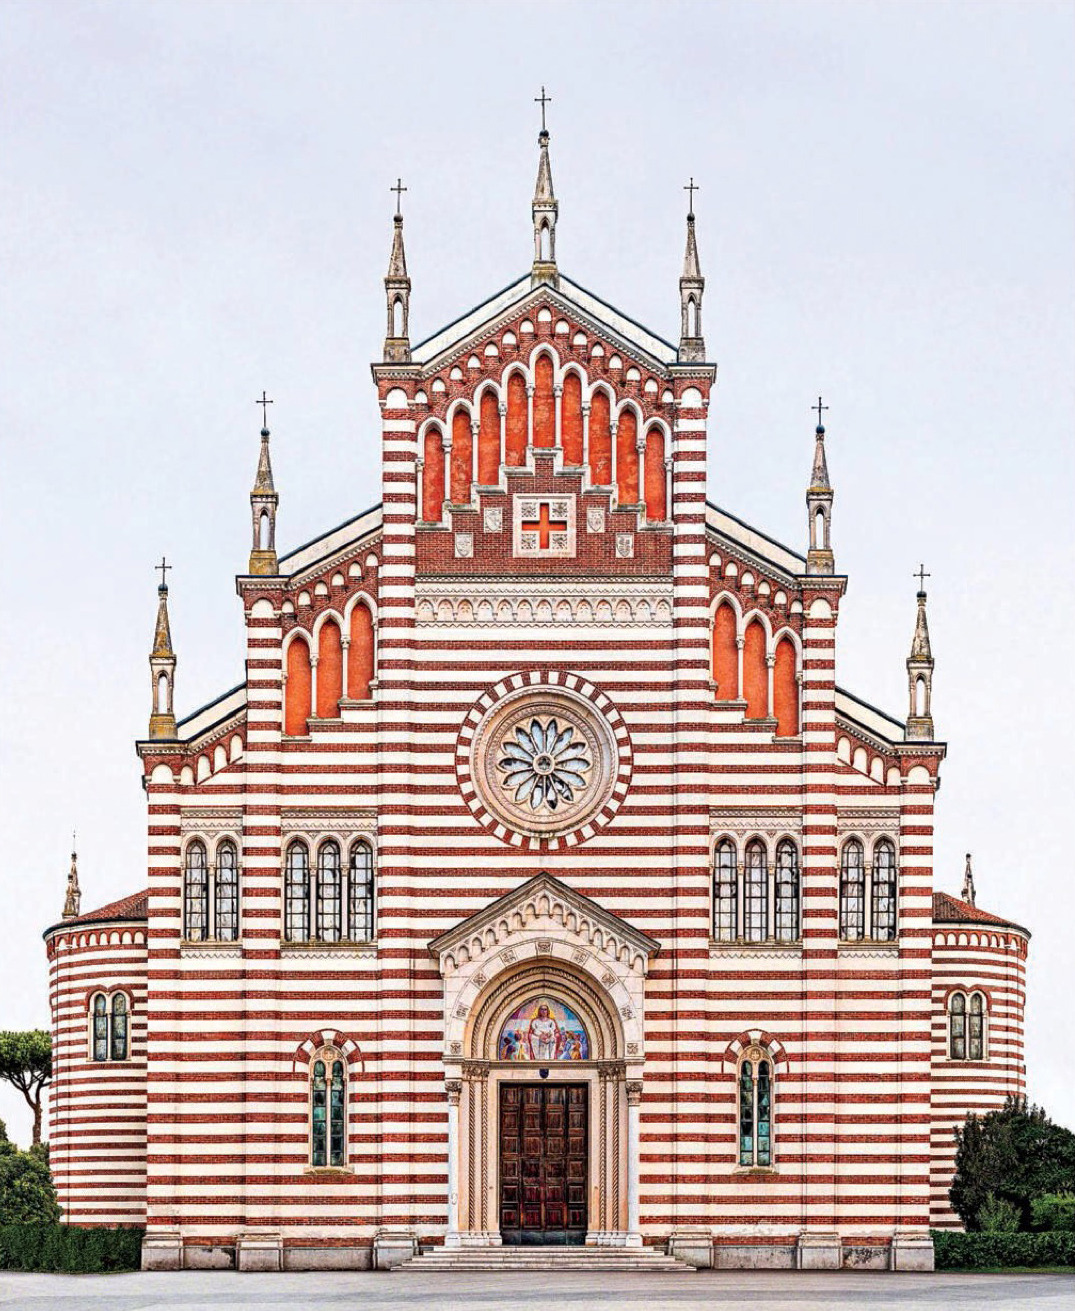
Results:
[196, 206]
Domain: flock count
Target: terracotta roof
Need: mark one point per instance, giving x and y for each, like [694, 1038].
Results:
[134, 907]
[951, 910]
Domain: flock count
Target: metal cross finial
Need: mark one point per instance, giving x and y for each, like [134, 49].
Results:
[691, 188]
[399, 189]
[819, 407]
[164, 566]
[264, 403]
[921, 575]
[543, 100]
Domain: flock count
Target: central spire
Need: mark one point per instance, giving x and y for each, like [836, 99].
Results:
[545, 209]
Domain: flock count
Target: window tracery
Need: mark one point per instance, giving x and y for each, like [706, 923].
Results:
[328, 1109]
[868, 892]
[211, 893]
[755, 1080]
[967, 1026]
[330, 903]
[756, 901]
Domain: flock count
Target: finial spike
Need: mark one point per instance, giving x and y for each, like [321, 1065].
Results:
[397, 289]
[968, 882]
[691, 290]
[162, 667]
[920, 671]
[544, 210]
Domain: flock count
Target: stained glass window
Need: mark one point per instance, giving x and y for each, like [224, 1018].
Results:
[852, 892]
[329, 893]
[196, 894]
[226, 893]
[297, 894]
[787, 892]
[328, 1109]
[119, 1027]
[725, 916]
[746, 1113]
[336, 1115]
[884, 892]
[976, 1028]
[756, 894]
[361, 892]
[957, 1027]
[100, 1027]
[318, 1116]
[764, 1118]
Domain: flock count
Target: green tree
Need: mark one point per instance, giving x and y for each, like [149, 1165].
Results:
[1013, 1155]
[27, 1192]
[26, 1062]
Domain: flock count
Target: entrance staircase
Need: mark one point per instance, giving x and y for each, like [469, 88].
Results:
[544, 1260]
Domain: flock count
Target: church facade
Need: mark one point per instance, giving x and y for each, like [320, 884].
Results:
[538, 885]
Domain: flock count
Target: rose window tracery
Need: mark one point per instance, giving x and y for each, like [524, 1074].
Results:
[546, 765]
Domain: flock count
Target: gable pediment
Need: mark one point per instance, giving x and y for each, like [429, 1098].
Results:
[543, 904]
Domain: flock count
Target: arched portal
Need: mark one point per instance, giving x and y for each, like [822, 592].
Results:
[544, 1058]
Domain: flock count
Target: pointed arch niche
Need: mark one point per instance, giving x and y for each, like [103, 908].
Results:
[543, 939]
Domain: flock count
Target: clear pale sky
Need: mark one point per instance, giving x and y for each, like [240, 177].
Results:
[196, 206]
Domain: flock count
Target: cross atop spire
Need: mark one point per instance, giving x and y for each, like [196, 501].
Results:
[543, 100]
[691, 188]
[164, 567]
[819, 407]
[264, 403]
[921, 575]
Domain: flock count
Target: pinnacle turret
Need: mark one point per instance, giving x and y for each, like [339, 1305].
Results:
[263, 504]
[819, 498]
[397, 288]
[920, 671]
[73, 900]
[691, 289]
[544, 209]
[968, 882]
[162, 666]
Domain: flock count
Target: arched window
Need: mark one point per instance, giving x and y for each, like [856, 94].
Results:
[297, 894]
[725, 893]
[100, 1027]
[756, 893]
[489, 440]
[883, 892]
[162, 694]
[957, 1027]
[544, 402]
[919, 697]
[397, 317]
[571, 419]
[361, 892]
[461, 464]
[516, 421]
[329, 894]
[852, 892]
[655, 480]
[692, 317]
[264, 538]
[786, 689]
[545, 247]
[627, 458]
[328, 1105]
[196, 894]
[756, 1109]
[109, 1027]
[118, 1044]
[226, 893]
[329, 670]
[976, 1028]
[787, 892]
[725, 653]
[755, 672]
[297, 707]
[360, 654]
[433, 483]
[600, 439]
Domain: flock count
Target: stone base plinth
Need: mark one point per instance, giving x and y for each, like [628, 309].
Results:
[912, 1252]
[695, 1246]
[820, 1250]
[162, 1249]
[392, 1247]
[259, 1250]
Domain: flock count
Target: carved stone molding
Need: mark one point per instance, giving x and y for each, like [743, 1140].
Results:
[506, 601]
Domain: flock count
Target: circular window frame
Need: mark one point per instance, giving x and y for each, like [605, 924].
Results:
[543, 693]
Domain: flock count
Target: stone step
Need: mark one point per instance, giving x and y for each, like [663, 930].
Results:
[546, 1259]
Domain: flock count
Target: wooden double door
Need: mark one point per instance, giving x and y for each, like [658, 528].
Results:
[544, 1164]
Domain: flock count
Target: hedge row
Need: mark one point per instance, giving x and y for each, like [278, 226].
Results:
[958, 1251]
[69, 1249]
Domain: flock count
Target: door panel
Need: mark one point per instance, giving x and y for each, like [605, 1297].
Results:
[543, 1162]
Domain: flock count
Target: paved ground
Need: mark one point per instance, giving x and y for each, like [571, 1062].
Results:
[765, 1291]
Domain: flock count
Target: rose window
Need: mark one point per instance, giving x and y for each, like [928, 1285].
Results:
[546, 764]
[543, 761]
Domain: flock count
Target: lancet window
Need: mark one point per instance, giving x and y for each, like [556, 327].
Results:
[868, 892]
[333, 900]
[328, 1109]
[966, 1027]
[756, 900]
[211, 893]
[110, 1033]
[756, 1109]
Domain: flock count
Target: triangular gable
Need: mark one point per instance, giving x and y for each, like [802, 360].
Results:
[542, 898]
[590, 311]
